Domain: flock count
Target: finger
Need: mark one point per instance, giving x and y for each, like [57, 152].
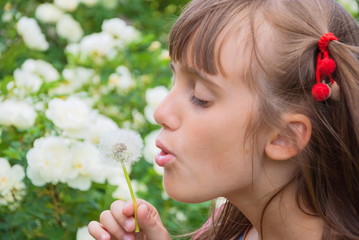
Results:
[111, 225]
[128, 209]
[140, 236]
[97, 231]
[150, 223]
[149, 220]
[126, 221]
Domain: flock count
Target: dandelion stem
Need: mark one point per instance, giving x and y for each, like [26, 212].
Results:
[137, 229]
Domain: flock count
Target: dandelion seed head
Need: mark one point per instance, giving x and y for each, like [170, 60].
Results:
[119, 151]
[121, 146]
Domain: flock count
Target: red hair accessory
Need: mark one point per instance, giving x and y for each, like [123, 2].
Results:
[325, 67]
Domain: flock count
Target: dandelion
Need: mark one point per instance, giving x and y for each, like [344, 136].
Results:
[120, 147]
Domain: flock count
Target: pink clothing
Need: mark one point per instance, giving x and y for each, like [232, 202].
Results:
[208, 223]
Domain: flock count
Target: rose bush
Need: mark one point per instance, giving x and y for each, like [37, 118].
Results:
[71, 71]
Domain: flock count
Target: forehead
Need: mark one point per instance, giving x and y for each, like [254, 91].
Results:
[245, 51]
[234, 55]
[217, 40]
[194, 38]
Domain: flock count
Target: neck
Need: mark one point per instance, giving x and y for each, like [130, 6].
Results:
[282, 219]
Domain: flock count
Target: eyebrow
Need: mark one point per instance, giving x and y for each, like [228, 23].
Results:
[195, 72]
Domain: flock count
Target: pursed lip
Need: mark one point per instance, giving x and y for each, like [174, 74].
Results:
[165, 156]
[163, 147]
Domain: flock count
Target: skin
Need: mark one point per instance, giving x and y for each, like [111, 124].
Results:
[204, 120]
[205, 135]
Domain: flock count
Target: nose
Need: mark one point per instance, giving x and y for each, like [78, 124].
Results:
[167, 114]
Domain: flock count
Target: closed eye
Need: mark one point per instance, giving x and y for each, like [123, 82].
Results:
[199, 102]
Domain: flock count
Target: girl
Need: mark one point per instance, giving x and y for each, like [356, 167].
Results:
[264, 111]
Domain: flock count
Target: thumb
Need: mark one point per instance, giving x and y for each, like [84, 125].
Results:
[150, 223]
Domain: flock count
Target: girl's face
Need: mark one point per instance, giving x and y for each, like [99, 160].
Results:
[204, 120]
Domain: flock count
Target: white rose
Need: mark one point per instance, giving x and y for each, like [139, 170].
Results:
[48, 13]
[72, 115]
[7, 112]
[138, 121]
[165, 55]
[114, 174]
[67, 27]
[26, 82]
[80, 74]
[97, 47]
[73, 49]
[113, 26]
[154, 46]
[90, 3]
[99, 126]
[150, 150]
[50, 161]
[31, 75]
[31, 34]
[153, 98]
[75, 78]
[67, 5]
[155, 95]
[130, 34]
[122, 78]
[350, 5]
[87, 164]
[16, 113]
[119, 29]
[110, 4]
[83, 234]
[122, 192]
[179, 215]
[40, 106]
[41, 68]
[12, 188]
[116, 177]
[7, 16]
[25, 116]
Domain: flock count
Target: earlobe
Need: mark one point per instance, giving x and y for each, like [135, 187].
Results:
[286, 144]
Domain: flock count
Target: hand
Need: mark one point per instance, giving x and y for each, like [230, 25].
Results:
[118, 223]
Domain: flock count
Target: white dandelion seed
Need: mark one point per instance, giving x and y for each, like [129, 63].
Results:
[123, 146]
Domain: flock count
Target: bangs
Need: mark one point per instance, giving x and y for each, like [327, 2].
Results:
[196, 37]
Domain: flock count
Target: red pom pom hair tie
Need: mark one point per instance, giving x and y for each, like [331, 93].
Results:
[325, 67]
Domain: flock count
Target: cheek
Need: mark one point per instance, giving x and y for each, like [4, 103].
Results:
[208, 173]
[218, 149]
[213, 160]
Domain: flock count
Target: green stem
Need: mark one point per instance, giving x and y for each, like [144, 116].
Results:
[137, 229]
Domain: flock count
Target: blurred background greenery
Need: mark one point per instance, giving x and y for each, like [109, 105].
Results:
[57, 211]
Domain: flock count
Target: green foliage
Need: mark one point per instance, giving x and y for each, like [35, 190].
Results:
[56, 210]
[352, 6]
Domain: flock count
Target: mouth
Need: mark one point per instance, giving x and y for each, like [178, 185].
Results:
[164, 157]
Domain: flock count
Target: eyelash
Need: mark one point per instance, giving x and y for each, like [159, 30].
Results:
[199, 102]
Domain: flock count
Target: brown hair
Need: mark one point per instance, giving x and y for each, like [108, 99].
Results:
[328, 168]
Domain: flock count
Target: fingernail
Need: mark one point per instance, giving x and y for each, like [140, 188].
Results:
[126, 237]
[127, 204]
[104, 237]
[128, 224]
[147, 213]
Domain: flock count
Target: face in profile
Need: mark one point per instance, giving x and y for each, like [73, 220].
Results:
[204, 120]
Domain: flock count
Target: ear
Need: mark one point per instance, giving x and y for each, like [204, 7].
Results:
[284, 146]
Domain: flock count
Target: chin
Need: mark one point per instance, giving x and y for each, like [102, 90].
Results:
[186, 196]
